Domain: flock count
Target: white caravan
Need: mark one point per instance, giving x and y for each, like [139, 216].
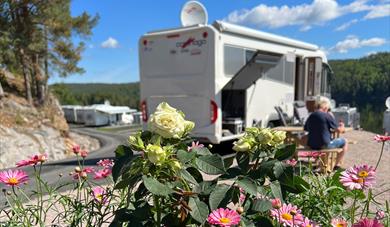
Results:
[226, 77]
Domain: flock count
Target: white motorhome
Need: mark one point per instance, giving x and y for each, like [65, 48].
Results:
[226, 77]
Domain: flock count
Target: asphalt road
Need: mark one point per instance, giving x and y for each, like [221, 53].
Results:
[51, 170]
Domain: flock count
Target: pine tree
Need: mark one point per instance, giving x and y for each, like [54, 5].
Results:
[39, 35]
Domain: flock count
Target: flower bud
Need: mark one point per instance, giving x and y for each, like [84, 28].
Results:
[77, 169]
[240, 210]
[176, 165]
[276, 203]
[380, 214]
[84, 153]
[76, 149]
[155, 154]
[83, 175]
[9, 193]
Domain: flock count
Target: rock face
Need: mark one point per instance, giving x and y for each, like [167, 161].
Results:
[27, 130]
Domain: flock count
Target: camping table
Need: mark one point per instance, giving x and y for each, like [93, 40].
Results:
[329, 158]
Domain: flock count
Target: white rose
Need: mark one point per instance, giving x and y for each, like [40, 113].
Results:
[168, 122]
[242, 145]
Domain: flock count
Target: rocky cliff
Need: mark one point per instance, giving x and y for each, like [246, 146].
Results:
[26, 130]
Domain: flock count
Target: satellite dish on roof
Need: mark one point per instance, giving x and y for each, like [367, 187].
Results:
[192, 13]
[388, 102]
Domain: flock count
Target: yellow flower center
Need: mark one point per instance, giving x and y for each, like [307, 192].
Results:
[99, 197]
[308, 225]
[363, 174]
[13, 181]
[339, 225]
[287, 216]
[224, 220]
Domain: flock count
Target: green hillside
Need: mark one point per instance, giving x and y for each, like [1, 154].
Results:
[126, 94]
[365, 84]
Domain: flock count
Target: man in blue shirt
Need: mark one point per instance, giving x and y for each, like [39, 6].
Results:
[319, 125]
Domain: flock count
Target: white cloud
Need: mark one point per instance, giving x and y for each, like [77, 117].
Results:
[110, 43]
[373, 42]
[378, 11]
[371, 53]
[316, 13]
[346, 25]
[353, 42]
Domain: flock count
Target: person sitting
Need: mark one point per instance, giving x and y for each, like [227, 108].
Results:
[320, 125]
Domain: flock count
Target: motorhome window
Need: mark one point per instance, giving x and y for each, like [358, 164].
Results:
[271, 66]
[234, 59]
[289, 69]
[325, 80]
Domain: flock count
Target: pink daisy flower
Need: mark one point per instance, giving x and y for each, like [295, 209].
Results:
[381, 139]
[338, 222]
[99, 195]
[106, 163]
[195, 145]
[13, 177]
[34, 160]
[366, 222]
[291, 162]
[358, 177]
[287, 215]
[308, 223]
[224, 217]
[82, 173]
[101, 174]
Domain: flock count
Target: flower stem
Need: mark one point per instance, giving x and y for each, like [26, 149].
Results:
[157, 204]
[380, 156]
[353, 209]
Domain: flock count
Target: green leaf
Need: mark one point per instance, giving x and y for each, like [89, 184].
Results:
[243, 161]
[210, 164]
[205, 187]
[155, 187]
[195, 173]
[187, 176]
[127, 182]
[123, 156]
[261, 205]
[245, 222]
[248, 185]
[218, 195]
[228, 160]
[201, 151]
[264, 222]
[231, 173]
[276, 191]
[185, 156]
[278, 169]
[199, 210]
[285, 152]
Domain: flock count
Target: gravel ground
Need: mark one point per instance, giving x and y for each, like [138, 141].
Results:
[367, 151]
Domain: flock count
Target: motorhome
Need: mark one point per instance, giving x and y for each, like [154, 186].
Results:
[226, 77]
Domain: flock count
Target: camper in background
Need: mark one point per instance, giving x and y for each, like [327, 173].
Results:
[227, 77]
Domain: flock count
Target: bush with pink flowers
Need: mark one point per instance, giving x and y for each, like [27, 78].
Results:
[158, 179]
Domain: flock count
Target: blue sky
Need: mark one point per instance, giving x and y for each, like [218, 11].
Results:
[344, 29]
